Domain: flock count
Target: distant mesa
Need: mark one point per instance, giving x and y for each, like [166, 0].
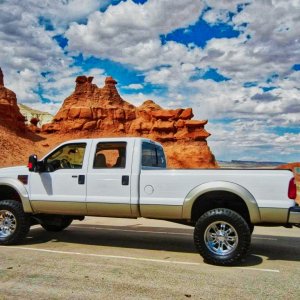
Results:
[10, 115]
[103, 110]
[34, 114]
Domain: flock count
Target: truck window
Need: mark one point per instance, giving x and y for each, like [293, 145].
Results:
[110, 155]
[66, 157]
[153, 156]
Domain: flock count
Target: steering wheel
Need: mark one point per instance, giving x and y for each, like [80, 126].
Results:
[65, 164]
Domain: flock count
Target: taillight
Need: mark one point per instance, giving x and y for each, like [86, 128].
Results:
[292, 193]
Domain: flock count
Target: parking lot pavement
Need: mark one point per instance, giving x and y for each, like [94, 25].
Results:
[103, 258]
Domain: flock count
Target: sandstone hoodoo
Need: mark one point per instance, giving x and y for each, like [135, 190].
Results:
[10, 115]
[102, 110]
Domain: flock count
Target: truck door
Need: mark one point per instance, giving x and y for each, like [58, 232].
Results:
[109, 179]
[61, 186]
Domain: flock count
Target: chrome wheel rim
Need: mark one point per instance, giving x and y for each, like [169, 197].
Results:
[8, 223]
[221, 238]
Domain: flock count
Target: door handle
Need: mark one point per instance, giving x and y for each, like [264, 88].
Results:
[81, 179]
[74, 176]
[125, 180]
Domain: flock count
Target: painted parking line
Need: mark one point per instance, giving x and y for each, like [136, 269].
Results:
[131, 258]
[157, 232]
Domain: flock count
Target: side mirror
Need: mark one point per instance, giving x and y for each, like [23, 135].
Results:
[32, 163]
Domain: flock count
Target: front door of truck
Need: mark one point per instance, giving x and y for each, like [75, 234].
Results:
[109, 179]
[61, 186]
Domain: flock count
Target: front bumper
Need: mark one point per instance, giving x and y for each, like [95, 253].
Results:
[294, 215]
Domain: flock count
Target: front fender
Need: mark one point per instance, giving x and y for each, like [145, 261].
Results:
[225, 186]
[20, 189]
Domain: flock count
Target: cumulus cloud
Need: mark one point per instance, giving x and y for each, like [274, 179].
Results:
[33, 63]
[62, 12]
[217, 16]
[134, 86]
[129, 33]
[264, 97]
[246, 139]
[26, 50]
[263, 48]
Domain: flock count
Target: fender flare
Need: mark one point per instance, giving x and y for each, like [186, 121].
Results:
[224, 186]
[20, 189]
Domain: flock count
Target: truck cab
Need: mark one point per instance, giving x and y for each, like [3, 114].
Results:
[96, 177]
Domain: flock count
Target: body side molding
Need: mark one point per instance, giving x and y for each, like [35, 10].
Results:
[20, 189]
[225, 186]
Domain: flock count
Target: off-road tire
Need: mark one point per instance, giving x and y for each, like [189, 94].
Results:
[65, 222]
[251, 227]
[241, 230]
[22, 222]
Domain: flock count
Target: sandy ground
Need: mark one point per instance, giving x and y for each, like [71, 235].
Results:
[103, 258]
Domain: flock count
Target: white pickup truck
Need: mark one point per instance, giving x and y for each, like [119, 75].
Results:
[128, 178]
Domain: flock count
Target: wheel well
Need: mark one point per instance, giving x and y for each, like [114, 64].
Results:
[9, 193]
[219, 199]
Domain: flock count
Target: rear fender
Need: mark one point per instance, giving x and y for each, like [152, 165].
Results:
[225, 186]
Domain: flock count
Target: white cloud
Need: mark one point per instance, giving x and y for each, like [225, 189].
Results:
[62, 12]
[134, 86]
[216, 16]
[252, 140]
[269, 44]
[27, 49]
[129, 33]
[224, 4]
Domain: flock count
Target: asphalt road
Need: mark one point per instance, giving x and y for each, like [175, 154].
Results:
[103, 258]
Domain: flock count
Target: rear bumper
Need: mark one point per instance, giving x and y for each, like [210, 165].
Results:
[294, 215]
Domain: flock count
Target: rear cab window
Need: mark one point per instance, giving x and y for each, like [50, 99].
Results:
[153, 156]
[110, 155]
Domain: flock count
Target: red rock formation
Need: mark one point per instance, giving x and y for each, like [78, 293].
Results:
[102, 110]
[10, 115]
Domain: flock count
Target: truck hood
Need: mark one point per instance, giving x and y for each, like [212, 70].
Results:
[14, 171]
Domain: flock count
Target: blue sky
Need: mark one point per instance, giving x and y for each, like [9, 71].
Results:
[222, 58]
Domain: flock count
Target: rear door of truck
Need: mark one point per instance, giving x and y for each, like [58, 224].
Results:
[109, 178]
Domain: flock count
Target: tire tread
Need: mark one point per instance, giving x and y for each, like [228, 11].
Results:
[240, 225]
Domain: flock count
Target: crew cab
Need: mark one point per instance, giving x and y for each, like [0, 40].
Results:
[129, 178]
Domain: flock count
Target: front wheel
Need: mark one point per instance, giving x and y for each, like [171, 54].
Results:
[222, 237]
[14, 223]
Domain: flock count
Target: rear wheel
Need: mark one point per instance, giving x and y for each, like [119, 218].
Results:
[222, 236]
[62, 224]
[14, 223]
